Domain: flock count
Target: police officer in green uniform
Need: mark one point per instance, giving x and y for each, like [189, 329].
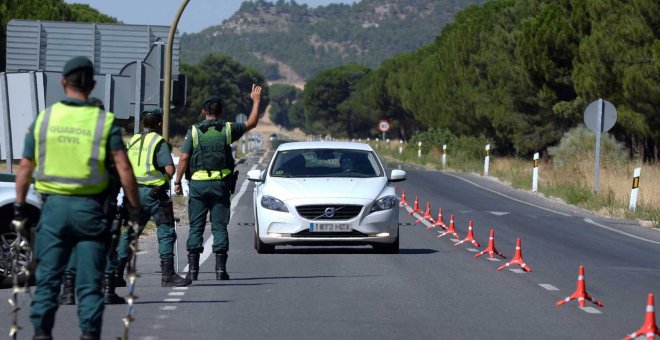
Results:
[68, 296]
[207, 161]
[153, 167]
[69, 148]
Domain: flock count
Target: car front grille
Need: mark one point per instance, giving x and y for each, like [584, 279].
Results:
[322, 212]
[307, 233]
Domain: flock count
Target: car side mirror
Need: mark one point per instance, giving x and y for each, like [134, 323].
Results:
[254, 176]
[397, 176]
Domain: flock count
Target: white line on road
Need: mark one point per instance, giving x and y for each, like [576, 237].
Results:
[516, 270]
[591, 310]
[149, 337]
[157, 326]
[455, 240]
[163, 316]
[494, 259]
[472, 250]
[172, 300]
[588, 220]
[168, 308]
[180, 288]
[548, 286]
[176, 293]
[505, 195]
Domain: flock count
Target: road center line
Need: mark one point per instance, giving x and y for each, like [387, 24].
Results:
[176, 293]
[168, 308]
[172, 300]
[548, 286]
[591, 310]
[516, 270]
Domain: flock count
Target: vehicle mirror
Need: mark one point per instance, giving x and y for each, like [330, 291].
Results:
[254, 175]
[397, 176]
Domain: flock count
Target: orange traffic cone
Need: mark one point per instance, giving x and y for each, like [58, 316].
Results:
[517, 259]
[451, 230]
[649, 328]
[415, 206]
[580, 292]
[490, 249]
[403, 199]
[469, 237]
[427, 214]
[438, 222]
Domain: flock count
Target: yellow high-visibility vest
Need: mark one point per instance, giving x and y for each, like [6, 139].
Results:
[70, 144]
[141, 151]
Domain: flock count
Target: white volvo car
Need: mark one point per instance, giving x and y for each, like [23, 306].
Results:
[325, 193]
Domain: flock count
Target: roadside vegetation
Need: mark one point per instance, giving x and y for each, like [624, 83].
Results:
[566, 173]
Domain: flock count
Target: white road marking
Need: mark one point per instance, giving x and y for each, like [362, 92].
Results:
[516, 270]
[505, 195]
[142, 252]
[588, 220]
[149, 337]
[180, 288]
[548, 286]
[168, 308]
[494, 259]
[157, 326]
[209, 242]
[455, 240]
[172, 300]
[472, 250]
[499, 213]
[163, 316]
[176, 293]
[591, 310]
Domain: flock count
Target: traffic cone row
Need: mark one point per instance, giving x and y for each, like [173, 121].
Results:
[649, 329]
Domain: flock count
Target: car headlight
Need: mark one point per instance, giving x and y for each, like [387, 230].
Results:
[384, 203]
[272, 203]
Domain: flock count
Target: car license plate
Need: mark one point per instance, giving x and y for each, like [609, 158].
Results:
[329, 227]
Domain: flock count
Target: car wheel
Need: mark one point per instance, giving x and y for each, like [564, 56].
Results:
[388, 248]
[26, 259]
[261, 247]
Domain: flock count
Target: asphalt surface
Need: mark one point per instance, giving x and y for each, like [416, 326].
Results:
[432, 289]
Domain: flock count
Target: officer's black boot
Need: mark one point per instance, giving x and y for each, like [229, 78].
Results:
[119, 273]
[89, 336]
[109, 295]
[68, 296]
[193, 267]
[221, 267]
[170, 278]
[40, 334]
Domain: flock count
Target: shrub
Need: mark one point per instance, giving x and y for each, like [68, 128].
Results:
[579, 144]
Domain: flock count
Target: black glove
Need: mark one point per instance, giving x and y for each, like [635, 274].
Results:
[19, 212]
[134, 214]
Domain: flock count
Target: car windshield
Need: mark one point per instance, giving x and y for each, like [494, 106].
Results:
[325, 163]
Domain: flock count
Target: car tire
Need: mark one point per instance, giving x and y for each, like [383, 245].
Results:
[261, 247]
[7, 235]
[387, 248]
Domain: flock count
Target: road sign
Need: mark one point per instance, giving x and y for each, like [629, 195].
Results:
[591, 115]
[383, 125]
[241, 118]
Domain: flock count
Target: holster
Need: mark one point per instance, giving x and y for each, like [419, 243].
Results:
[232, 179]
[165, 212]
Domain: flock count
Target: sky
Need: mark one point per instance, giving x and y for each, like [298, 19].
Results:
[199, 14]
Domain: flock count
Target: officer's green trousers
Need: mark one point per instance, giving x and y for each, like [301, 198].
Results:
[165, 231]
[68, 223]
[208, 196]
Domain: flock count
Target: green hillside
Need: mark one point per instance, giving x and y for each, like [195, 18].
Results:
[294, 42]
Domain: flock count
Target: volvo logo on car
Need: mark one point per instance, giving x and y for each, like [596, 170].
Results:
[329, 212]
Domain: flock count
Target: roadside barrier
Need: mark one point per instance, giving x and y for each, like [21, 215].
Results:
[415, 206]
[580, 292]
[439, 222]
[469, 237]
[649, 328]
[427, 214]
[451, 230]
[490, 249]
[517, 259]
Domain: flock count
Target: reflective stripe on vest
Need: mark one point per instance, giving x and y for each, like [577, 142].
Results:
[70, 147]
[203, 175]
[141, 155]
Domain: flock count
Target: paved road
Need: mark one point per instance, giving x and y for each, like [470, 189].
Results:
[433, 289]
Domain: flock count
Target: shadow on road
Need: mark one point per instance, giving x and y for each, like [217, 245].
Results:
[299, 277]
[179, 302]
[342, 251]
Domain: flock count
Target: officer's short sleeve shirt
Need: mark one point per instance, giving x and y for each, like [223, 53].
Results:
[163, 155]
[115, 141]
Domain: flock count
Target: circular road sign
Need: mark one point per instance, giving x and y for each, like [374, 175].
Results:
[383, 125]
[591, 116]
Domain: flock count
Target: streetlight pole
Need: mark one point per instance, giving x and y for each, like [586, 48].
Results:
[167, 87]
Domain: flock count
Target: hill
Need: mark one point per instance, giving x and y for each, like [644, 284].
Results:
[291, 42]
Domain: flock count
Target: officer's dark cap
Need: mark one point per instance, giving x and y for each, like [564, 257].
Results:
[77, 63]
[157, 113]
[212, 99]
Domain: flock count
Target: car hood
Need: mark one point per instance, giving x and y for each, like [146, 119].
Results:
[296, 188]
